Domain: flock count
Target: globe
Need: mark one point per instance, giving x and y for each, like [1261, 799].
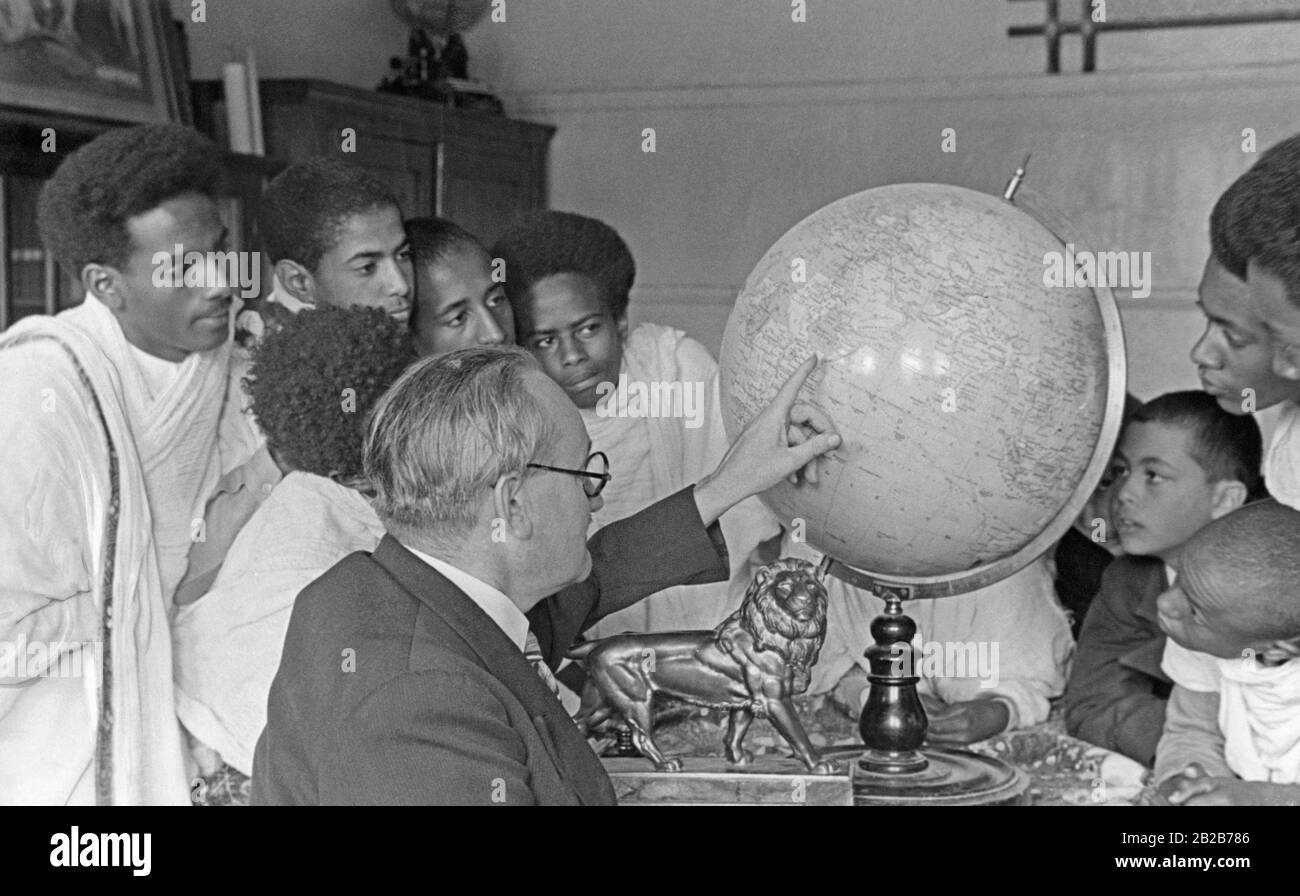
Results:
[442, 17]
[978, 406]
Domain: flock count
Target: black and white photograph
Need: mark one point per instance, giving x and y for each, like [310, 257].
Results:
[860, 403]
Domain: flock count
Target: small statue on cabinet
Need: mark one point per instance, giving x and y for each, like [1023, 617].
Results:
[753, 664]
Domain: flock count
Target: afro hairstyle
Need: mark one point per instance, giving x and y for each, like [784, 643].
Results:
[315, 379]
[83, 209]
[305, 206]
[543, 244]
[1258, 217]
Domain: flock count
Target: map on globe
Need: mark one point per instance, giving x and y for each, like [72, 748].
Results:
[973, 399]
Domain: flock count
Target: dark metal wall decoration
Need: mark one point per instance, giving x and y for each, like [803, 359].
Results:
[1097, 16]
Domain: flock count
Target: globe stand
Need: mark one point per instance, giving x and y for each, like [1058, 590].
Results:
[891, 767]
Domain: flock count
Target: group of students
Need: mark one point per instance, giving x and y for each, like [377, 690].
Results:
[171, 491]
[1187, 656]
[174, 489]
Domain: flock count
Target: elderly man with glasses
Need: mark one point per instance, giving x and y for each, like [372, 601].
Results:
[405, 676]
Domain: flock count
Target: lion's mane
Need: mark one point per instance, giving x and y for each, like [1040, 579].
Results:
[766, 621]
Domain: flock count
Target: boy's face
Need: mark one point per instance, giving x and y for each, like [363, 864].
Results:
[1282, 321]
[1236, 351]
[1204, 612]
[170, 322]
[369, 264]
[573, 335]
[1161, 495]
[458, 305]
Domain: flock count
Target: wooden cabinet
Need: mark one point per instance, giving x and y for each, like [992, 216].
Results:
[490, 171]
[478, 169]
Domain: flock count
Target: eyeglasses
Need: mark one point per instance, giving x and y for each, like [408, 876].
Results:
[596, 475]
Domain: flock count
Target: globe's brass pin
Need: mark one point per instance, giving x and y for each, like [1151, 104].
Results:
[1014, 184]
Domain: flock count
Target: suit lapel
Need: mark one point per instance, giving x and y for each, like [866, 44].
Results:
[569, 751]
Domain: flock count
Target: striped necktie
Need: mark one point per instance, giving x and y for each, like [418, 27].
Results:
[533, 653]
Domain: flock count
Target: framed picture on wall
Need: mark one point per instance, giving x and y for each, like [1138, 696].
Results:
[91, 58]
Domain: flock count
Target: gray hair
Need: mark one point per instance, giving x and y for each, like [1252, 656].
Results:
[448, 429]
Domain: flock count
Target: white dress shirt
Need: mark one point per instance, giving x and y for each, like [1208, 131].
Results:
[500, 609]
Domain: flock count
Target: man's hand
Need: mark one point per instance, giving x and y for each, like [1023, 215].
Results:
[1194, 788]
[965, 722]
[783, 441]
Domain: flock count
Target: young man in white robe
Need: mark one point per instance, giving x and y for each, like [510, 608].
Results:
[334, 236]
[648, 397]
[115, 437]
[315, 380]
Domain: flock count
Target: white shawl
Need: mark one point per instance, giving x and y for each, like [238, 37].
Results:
[1282, 460]
[1259, 714]
[675, 455]
[1010, 639]
[57, 742]
[228, 642]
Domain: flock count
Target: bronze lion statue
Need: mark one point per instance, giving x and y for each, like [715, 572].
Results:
[752, 664]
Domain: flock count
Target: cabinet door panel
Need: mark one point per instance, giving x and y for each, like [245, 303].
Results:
[485, 193]
[407, 170]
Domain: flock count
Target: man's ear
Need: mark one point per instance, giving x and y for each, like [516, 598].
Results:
[104, 283]
[296, 280]
[1228, 494]
[1286, 362]
[620, 323]
[510, 508]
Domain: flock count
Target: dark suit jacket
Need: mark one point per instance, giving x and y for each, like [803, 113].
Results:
[1080, 562]
[395, 688]
[1117, 693]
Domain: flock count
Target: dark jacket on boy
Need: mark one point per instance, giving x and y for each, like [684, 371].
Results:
[1117, 692]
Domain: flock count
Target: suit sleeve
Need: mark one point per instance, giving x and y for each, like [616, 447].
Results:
[1192, 734]
[664, 545]
[432, 738]
[1106, 702]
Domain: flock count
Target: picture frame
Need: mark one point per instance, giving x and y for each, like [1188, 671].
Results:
[94, 59]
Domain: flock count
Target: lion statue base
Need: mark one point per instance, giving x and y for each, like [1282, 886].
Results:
[753, 665]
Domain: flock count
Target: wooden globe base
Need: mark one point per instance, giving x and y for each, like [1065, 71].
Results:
[891, 768]
[948, 778]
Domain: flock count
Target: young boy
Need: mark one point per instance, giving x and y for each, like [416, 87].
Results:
[458, 302]
[568, 278]
[335, 237]
[1234, 738]
[334, 234]
[228, 643]
[1182, 461]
